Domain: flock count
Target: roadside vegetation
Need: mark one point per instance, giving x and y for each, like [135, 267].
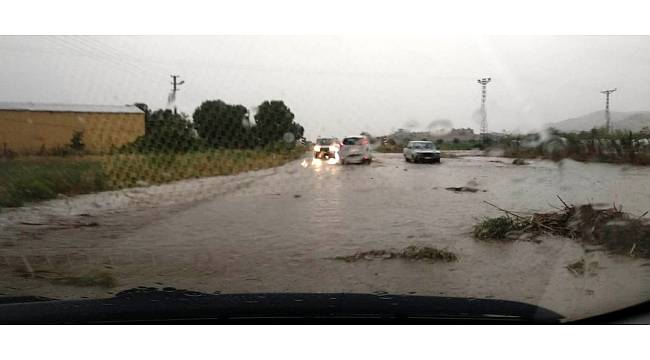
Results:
[129, 170]
[222, 140]
[597, 145]
[389, 145]
[35, 178]
[389, 148]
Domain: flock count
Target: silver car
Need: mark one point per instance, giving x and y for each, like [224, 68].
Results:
[421, 151]
[355, 149]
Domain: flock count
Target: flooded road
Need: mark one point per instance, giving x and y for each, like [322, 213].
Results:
[278, 230]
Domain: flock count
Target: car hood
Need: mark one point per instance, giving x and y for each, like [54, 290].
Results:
[169, 304]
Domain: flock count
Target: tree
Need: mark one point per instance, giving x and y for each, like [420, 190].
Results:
[166, 131]
[272, 120]
[223, 125]
[297, 130]
[456, 140]
[440, 141]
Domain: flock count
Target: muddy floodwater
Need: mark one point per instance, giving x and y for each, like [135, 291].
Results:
[278, 230]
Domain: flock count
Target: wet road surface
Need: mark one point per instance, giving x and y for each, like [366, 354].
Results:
[278, 230]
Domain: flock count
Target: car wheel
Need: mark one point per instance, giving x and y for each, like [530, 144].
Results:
[406, 158]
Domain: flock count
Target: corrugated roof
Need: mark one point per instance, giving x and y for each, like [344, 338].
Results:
[30, 106]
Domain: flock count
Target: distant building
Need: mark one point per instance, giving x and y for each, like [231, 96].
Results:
[402, 136]
[30, 127]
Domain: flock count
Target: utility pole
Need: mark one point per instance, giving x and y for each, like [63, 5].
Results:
[484, 124]
[175, 84]
[608, 120]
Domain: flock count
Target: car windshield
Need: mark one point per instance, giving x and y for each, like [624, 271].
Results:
[423, 145]
[203, 163]
[352, 141]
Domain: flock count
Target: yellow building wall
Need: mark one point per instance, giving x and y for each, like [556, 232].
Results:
[29, 131]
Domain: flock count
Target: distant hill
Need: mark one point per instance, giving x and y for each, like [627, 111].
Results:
[631, 120]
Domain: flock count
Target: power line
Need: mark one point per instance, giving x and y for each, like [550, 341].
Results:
[81, 49]
[92, 49]
[608, 120]
[484, 124]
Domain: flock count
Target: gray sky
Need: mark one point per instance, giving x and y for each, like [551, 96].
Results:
[340, 85]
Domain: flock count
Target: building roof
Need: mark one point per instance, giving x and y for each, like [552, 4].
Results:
[31, 106]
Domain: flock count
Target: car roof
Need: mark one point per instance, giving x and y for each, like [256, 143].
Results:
[354, 137]
[421, 141]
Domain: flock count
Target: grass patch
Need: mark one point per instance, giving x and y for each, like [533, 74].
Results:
[41, 178]
[128, 170]
[29, 179]
[409, 253]
[497, 228]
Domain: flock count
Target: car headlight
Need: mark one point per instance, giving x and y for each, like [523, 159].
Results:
[317, 148]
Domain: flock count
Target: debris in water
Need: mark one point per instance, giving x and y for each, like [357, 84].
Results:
[409, 253]
[462, 189]
[297, 196]
[616, 231]
[577, 267]
[519, 161]
[30, 223]
[62, 224]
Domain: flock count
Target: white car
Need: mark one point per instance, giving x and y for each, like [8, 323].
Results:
[421, 151]
[355, 149]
